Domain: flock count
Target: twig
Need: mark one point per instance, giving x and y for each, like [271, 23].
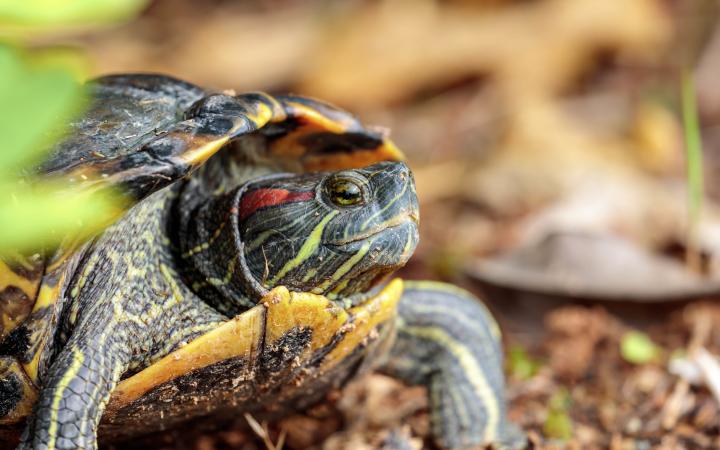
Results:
[673, 408]
[710, 369]
[262, 431]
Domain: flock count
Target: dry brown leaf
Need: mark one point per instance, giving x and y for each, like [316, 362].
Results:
[387, 52]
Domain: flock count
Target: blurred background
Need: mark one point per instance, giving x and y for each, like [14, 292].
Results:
[550, 142]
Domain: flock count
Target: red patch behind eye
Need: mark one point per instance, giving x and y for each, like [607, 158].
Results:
[252, 201]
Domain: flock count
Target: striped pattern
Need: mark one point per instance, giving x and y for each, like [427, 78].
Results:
[319, 247]
[124, 302]
[285, 230]
[126, 308]
[449, 342]
[144, 132]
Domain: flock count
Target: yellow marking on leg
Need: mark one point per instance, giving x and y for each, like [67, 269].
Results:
[471, 368]
[89, 267]
[460, 408]
[308, 248]
[165, 271]
[459, 317]
[133, 271]
[343, 269]
[101, 340]
[425, 285]
[71, 372]
[436, 399]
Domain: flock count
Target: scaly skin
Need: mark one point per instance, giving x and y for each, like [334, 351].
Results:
[128, 306]
[127, 309]
[447, 341]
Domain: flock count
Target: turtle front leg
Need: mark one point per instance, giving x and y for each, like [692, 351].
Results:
[77, 389]
[448, 341]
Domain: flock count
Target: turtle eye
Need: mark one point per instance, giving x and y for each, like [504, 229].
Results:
[344, 192]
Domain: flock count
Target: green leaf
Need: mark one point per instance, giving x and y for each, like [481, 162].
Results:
[35, 102]
[17, 16]
[638, 348]
[39, 94]
[558, 424]
[31, 218]
[520, 365]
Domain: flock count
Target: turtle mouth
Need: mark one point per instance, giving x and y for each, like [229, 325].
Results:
[389, 225]
[366, 284]
[358, 299]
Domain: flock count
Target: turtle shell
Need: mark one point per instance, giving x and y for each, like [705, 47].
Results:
[141, 134]
[310, 345]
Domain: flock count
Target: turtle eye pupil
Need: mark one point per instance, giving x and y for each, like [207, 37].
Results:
[345, 193]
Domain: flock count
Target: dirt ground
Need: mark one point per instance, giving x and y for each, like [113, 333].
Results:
[580, 393]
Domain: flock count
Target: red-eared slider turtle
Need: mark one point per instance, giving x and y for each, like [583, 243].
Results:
[247, 274]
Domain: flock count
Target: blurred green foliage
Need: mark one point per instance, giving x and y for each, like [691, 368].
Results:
[520, 365]
[637, 348]
[558, 424]
[694, 156]
[19, 18]
[40, 92]
[38, 96]
[35, 99]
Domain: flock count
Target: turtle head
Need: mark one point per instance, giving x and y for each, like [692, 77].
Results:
[338, 234]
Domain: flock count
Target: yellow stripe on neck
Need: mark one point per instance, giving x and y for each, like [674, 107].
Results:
[308, 248]
[77, 361]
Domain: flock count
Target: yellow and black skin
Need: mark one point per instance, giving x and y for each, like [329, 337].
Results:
[238, 287]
